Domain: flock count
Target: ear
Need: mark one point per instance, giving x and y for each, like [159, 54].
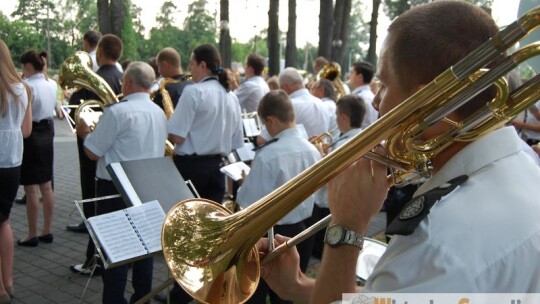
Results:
[202, 64]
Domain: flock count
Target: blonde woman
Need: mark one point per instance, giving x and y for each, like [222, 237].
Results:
[15, 123]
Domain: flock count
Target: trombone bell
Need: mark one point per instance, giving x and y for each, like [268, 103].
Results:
[218, 277]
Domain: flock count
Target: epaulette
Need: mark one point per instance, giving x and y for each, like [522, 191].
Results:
[418, 208]
[273, 140]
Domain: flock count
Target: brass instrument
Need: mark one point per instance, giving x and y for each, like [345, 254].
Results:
[210, 251]
[332, 72]
[76, 72]
[324, 141]
[168, 106]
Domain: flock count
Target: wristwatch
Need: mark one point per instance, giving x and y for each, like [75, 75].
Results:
[337, 235]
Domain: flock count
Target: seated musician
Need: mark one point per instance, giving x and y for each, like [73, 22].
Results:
[278, 161]
[482, 234]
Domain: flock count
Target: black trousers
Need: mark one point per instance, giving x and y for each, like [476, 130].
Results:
[87, 169]
[115, 279]
[203, 171]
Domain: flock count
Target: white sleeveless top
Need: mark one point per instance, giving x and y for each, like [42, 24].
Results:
[11, 139]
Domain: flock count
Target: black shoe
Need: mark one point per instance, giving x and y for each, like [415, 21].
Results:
[85, 270]
[31, 242]
[161, 298]
[79, 228]
[48, 238]
[21, 201]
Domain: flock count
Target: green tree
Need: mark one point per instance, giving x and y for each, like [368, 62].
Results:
[166, 15]
[19, 37]
[129, 37]
[199, 25]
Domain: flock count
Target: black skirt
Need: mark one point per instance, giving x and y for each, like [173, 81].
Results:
[38, 156]
[9, 179]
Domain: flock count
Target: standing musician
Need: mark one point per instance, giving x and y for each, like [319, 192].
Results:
[359, 80]
[252, 89]
[135, 128]
[207, 128]
[471, 189]
[109, 50]
[278, 161]
[170, 68]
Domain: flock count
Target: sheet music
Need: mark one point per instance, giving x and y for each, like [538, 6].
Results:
[250, 127]
[246, 153]
[131, 232]
[234, 170]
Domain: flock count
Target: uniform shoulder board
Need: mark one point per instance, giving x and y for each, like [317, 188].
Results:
[418, 208]
[273, 140]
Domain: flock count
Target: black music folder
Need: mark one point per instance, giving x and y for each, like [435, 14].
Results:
[151, 179]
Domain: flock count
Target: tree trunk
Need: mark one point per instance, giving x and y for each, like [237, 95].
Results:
[273, 38]
[372, 51]
[117, 17]
[336, 34]
[290, 49]
[326, 21]
[103, 16]
[344, 37]
[224, 34]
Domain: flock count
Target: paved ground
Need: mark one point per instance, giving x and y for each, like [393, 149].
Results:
[42, 273]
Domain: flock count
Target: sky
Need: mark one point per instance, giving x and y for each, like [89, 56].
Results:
[249, 17]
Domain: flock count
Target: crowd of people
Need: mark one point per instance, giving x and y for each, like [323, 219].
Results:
[468, 192]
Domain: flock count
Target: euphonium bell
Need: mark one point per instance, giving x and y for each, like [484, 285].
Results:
[76, 72]
[332, 72]
[210, 251]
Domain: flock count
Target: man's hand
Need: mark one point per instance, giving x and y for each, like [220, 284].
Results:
[283, 274]
[82, 129]
[357, 194]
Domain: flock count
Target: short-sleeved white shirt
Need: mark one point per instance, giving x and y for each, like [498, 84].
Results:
[44, 97]
[310, 112]
[367, 95]
[134, 128]
[484, 237]
[330, 106]
[250, 92]
[208, 118]
[274, 165]
[11, 139]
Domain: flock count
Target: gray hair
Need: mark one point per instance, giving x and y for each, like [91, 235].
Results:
[290, 76]
[141, 73]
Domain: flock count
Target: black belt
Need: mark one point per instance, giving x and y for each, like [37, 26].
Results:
[43, 122]
[197, 156]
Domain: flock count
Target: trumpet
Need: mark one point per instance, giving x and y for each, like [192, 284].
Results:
[210, 251]
[323, 141]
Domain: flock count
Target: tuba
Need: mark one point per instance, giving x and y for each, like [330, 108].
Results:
[332, 72]
[76, 72]
[210, 251]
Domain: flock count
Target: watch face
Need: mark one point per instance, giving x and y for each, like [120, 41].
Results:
[334, 235]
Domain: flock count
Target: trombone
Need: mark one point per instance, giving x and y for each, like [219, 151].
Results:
[211, 253]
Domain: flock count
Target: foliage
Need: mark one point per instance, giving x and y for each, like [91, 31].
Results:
[166, 15]
[199, 25]
[358, 35]
[129, 37]
[19, 36]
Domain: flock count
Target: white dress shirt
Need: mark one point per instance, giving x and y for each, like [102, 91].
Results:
[274, 165]
[310, 112]
[367, 95]
[250, 92]
[484, 237]
[330, 106]
[208, 118]
[134, 128]
[44, 97]
[11, 138]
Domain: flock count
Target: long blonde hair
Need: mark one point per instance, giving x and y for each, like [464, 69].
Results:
[8, 77]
